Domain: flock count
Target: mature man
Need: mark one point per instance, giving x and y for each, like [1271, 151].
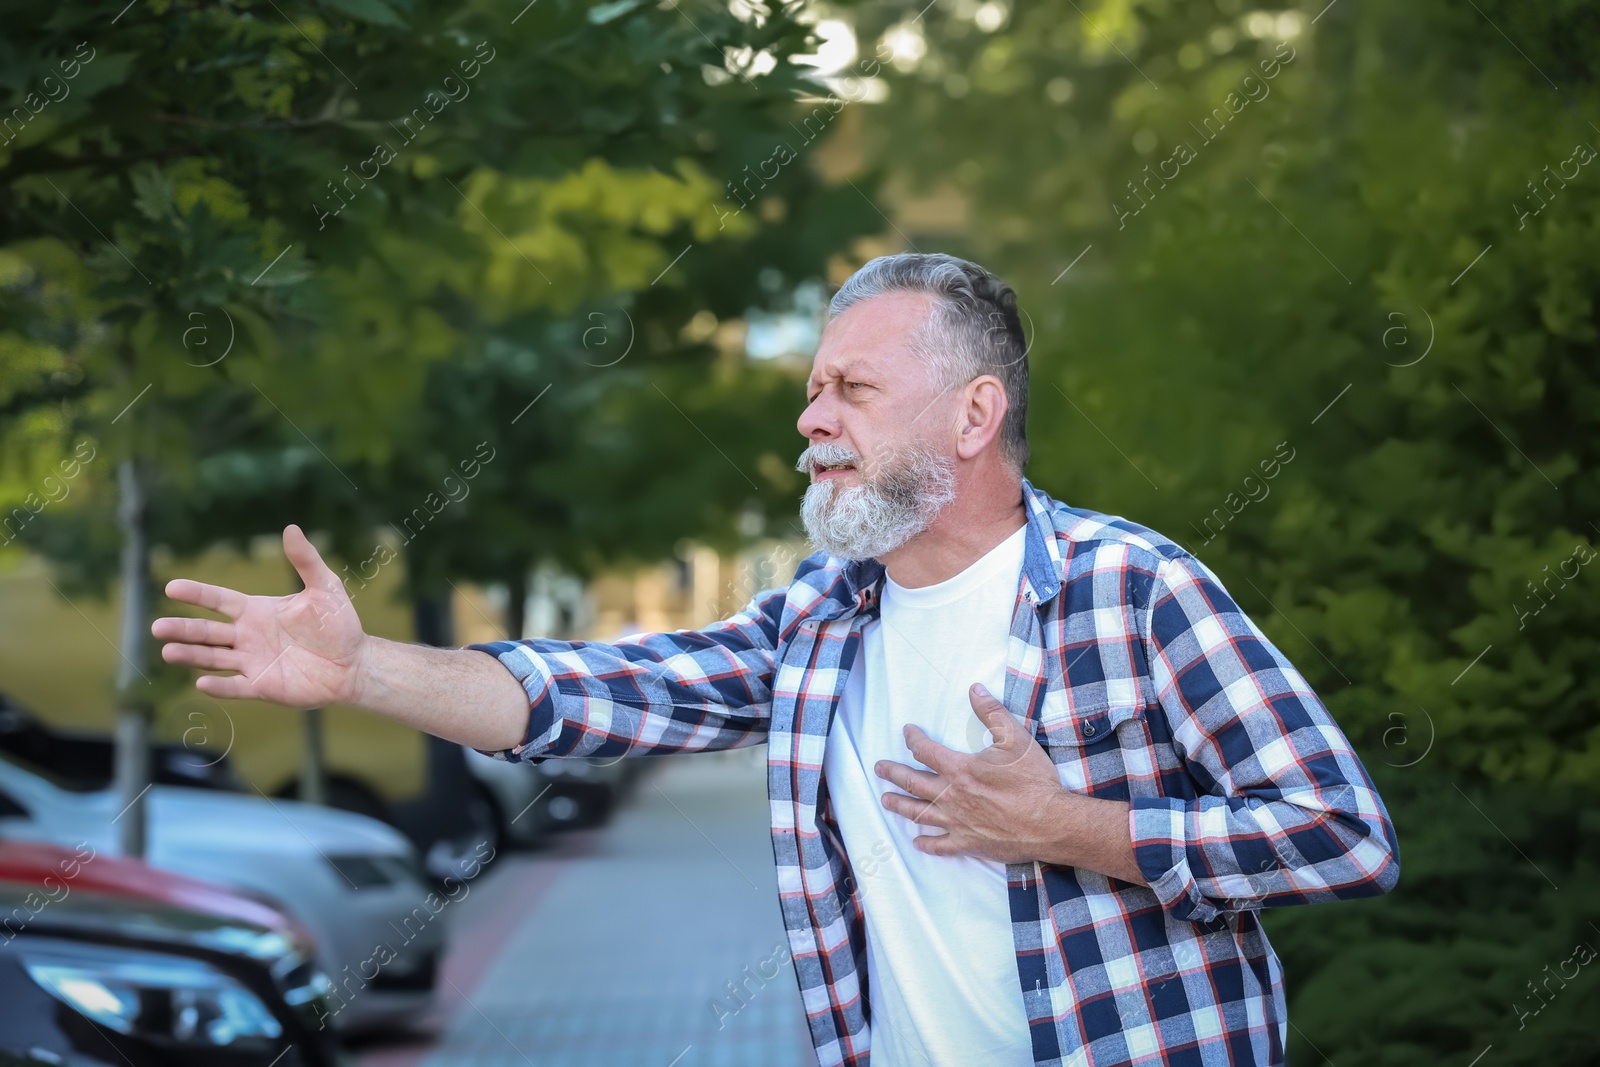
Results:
[1121, 769]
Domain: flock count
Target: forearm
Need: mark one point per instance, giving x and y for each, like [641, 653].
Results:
[1215, 854]
[461, 695]
[1092, 834]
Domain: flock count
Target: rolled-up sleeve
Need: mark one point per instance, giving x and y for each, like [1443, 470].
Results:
[683, 691]
[1286, 814]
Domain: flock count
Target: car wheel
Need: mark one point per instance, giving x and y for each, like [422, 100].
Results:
[563, 812]
[465, 856]
[488, 821]
[600, 805]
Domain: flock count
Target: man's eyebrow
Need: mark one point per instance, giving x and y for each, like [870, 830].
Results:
[842, 369]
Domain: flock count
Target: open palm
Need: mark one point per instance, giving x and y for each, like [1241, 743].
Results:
[302, 650]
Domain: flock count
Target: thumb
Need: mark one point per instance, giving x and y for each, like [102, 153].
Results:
[307, 562]
[992, 713]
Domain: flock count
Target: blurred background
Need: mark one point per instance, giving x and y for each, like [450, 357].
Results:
[510, 307]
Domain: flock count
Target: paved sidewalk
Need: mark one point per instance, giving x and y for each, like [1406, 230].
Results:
[621, 955]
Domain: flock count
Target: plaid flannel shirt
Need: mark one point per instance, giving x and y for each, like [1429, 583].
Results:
[1144, 682]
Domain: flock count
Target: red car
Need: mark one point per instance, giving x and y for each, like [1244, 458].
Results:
[103, 959]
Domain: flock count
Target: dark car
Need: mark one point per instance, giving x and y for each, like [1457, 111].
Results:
[584, 791]
[87, 760]
[104, 961]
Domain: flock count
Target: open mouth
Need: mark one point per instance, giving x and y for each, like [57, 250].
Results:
[820, 469]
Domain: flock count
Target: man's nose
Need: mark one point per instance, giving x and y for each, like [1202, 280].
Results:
[817, 422]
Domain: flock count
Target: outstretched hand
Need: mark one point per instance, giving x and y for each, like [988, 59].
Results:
[302, 650]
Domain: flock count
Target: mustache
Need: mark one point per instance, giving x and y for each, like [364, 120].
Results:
[826, 453]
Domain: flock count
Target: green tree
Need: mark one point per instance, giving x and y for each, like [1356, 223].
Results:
[249, 254]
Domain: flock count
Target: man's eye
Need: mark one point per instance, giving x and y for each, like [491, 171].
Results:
[852, 385]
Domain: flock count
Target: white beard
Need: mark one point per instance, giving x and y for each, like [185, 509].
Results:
[874, 518]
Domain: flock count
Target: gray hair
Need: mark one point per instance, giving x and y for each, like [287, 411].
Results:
[973, 329]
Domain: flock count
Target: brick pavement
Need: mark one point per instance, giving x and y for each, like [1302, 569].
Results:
[621, 955]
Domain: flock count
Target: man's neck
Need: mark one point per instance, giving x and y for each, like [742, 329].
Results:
[981, 517]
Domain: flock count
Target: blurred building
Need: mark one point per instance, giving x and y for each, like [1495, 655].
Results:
[694, 589]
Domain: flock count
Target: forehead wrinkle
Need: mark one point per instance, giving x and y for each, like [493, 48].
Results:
[873, 345]
[837, 367]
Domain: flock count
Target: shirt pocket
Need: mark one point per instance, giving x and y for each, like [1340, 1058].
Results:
[1090, 736]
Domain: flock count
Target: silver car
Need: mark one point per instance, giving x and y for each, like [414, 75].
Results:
[353, 881]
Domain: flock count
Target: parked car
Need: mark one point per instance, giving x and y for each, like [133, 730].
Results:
[85, 761]
[107, 962]
[89, 759]
[353, 881]
[537, 799]
[526, 808]
[585, 790]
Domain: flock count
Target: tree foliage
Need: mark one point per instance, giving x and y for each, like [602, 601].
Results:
[321, 255]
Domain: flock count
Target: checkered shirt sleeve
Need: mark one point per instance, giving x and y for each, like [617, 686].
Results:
[1285, 813]
[684, 691]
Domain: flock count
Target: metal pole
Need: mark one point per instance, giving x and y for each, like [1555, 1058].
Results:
[314, 775]
[134, 710]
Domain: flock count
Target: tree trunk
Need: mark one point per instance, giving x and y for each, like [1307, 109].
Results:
[314, 771]
[449, 781]
[516, 604]
[134, 710]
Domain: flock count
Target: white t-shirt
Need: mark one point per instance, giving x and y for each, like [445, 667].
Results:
[941, 963]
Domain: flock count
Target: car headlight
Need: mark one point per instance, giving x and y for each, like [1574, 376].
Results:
[153, 995]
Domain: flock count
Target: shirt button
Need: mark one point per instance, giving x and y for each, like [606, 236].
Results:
[1088, 731]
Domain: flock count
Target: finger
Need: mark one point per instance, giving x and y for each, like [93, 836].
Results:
[929, 752]
[1010, 742]
[203, 656]
[993, 714]
[229, 686]
[920, 783]
[937, 845]
[219, 598]
[307, 561]
[194, 631]
[921, 812]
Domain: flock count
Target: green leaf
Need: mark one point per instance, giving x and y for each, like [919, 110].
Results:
[153, 192]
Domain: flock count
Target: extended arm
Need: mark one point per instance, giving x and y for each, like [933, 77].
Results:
[660, 692]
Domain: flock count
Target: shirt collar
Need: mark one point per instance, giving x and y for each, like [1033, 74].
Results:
[1041, 561]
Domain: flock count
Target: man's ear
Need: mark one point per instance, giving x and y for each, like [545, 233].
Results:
[981, 413]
